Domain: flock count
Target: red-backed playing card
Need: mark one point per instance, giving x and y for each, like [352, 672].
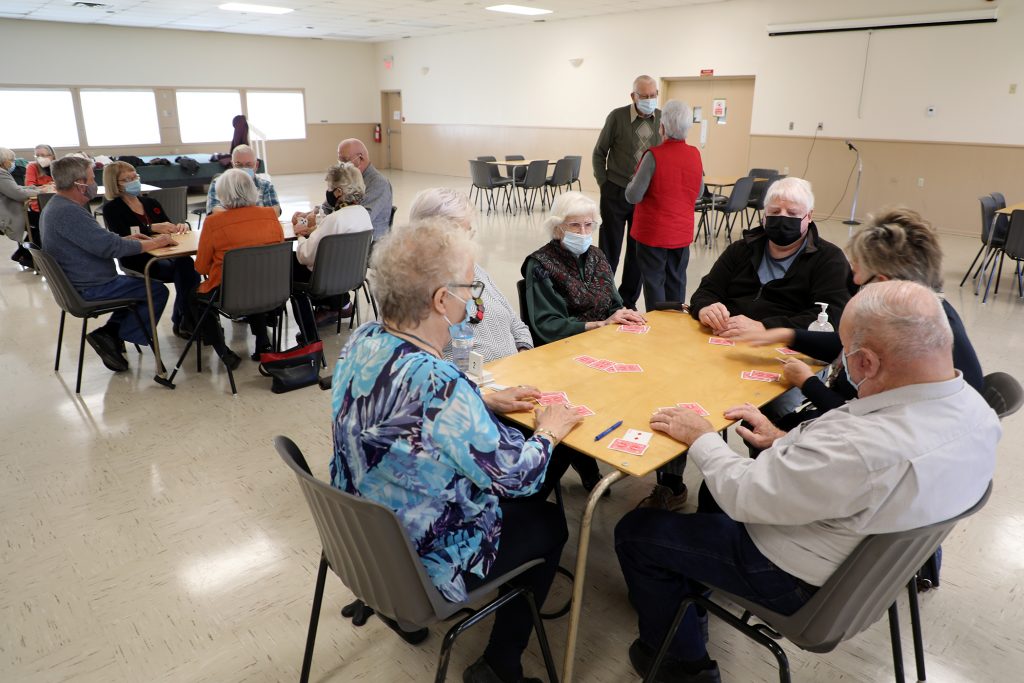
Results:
[695, 407]
[719, 341]
[585, 360]
[552, 398]
[786, 351]
[635, 329]
[628, 367]
[602, 364]
[584, 411]
[631, 447]
[760, 376]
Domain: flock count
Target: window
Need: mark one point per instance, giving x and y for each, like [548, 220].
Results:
[37, 117]
[120, 117]
[278, 115]
[205, 115]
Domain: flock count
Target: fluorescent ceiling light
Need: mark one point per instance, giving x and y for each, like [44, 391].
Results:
[519, 9]
[257, 9]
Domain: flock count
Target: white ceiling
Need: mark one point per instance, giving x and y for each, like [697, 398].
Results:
[363, 20]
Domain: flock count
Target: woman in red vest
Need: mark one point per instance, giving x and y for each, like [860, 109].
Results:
[665, 188]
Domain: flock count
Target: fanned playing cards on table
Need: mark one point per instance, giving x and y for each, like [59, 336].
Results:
[606, 365]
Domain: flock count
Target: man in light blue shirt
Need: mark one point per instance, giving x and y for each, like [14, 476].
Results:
[244, 157]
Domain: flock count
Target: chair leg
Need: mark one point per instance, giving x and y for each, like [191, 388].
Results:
[542, 637]
[81, 356]
[976, 257]
[449, 639]
[314, 618]
[897, 650]
[60, 340]
[915, 628]
[999, 275]
[188, 345]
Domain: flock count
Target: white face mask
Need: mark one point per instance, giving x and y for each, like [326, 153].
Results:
[43, 161]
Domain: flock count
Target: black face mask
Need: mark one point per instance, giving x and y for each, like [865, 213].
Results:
[782, 230]
[332, 201]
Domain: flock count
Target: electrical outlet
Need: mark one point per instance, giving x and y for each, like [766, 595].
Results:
[821, 125]
[791, 123]
[1013, 91]
[930, 111]
[920, 182]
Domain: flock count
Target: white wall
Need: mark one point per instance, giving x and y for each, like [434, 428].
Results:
[88, 54]
[522, 77]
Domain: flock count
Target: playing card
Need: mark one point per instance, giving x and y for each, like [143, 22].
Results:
[636, 436]
[552, 398]
[628, 367]
[584, 411]
[602, 364]
[787, 352]
[635, 329]
[695, 407]
[759, 376]
[585, 360]
[631, 447]
[719, 341]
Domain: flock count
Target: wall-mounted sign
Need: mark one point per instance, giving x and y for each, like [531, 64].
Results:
[707, 73]
[718, 107]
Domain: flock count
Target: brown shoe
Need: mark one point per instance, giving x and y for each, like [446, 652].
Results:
[662, 498]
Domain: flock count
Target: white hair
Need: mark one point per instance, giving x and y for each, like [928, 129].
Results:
[677, 119]
[442, 202]
[347, 178]
[242, 149]
[899, 316]
[643, 79]
[791, 189]
[6, 154]
[570, 204]
[236, 189]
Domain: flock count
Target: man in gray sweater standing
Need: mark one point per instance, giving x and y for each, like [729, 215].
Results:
[628, 132]
[85, 251]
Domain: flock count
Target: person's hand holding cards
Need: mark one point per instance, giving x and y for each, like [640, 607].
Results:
[557, 420]
[682, 424]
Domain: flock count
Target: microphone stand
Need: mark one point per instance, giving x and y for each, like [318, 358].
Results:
[856, 192]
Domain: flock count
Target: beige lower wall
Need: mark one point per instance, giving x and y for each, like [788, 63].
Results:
[955, 175]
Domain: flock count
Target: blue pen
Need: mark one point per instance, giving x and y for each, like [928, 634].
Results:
[608, 431]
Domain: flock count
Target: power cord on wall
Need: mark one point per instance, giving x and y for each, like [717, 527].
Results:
[807, 164]
[845, 190]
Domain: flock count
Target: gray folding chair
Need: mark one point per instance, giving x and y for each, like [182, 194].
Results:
[517, 172]
[535, 181]
[483, 181]
[755, 204]
[255, 280]
[577, 164]
[365, 545]
[999, 199]
[854, 597]
[561, 177]
[993, 236]
[175, 203]
[1003, 392]
[1013, 247]
[70, 301]
[736, 205]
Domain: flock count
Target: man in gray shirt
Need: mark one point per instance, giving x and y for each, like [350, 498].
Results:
[628, 132]
[916, 447]
[378, 199]
[85, 251]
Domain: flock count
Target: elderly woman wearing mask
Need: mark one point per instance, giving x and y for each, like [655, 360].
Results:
[12, 207]
[412, 432]
[345, 190]
[242, 223]
[570, 287]
[126, 212]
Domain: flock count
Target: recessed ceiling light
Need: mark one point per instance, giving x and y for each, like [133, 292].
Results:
[257, 9]
[519, 9]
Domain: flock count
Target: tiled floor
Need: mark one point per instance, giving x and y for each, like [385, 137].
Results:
[154, 535]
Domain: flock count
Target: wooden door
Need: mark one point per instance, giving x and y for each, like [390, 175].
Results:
[392, 125]
[726, 147]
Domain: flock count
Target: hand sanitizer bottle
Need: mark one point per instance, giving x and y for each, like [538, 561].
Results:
[821, 324]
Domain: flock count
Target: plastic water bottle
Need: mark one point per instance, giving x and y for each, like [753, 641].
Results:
[821, 324]
[462, 344]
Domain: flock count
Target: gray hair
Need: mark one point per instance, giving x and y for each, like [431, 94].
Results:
[236, 189]
[901, 245]
[898, 316]
[570, 204]
[791, 189]
[442, 202]
[347, 178]
[677, 119]
[242, 149]
[643, 79]
[410, 264]
[6, 155]
[67, 170]
[47, 148]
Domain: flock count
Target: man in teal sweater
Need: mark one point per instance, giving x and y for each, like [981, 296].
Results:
[628, 132]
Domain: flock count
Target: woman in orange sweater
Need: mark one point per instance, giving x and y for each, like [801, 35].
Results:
[243, 224]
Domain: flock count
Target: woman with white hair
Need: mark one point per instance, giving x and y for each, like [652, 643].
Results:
[412, 433]
[345, 191]
[12, 207]
[665, 188]
[501, 333]
[241, 224]
[570, 288]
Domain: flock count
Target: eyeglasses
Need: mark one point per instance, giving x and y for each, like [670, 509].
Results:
[476, 288]
[582, 228]
[646, 97]
[245, 164]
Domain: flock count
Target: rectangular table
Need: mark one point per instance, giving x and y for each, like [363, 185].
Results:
[680, 366]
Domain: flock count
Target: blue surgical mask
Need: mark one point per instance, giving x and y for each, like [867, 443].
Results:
[577, 244]
[646, 107]
[474, 313]
[251, 172]
[133, 187]
[846, 369]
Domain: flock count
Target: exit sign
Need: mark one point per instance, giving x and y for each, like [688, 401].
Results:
[706, 73]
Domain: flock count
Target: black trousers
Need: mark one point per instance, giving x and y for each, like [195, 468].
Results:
[213, 333]
[663, 272]
[616, 212]
[530, 529]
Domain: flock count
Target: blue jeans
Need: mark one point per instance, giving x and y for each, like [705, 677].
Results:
[666, 555]
[124, 287]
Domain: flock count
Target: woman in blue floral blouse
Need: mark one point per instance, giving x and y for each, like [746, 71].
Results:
[413, 433]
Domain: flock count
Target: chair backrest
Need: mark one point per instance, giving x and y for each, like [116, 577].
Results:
[577, 164]
[536, 174]
[757, 191]
[863, 587]
[340, 264]
[175, 202]
[763, 172]
[519, 172]
[44, 198]
[479, 173]
[999, 199]
[740, 195]
[562, 175]
[1003, 392]
[256, 279]
[367, 548]
[487, 159]
[64, 293]
[1014, 244]
[988, 212]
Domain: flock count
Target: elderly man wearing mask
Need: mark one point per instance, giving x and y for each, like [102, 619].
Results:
[244, 157]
